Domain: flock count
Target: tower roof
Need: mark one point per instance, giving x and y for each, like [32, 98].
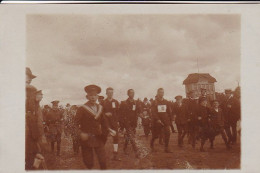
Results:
[194, 78]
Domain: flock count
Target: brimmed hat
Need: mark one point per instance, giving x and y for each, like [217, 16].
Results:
[92, 88]
[55, 102]
[29, 73]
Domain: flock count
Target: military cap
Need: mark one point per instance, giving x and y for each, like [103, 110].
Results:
[67, 104]
[228, 91]
[46, 106]
[39, 92]
[91, 88]
[55, 102]
[178, 97]
[29, 73]
[101, 97]
[203, 89]
[145, 99]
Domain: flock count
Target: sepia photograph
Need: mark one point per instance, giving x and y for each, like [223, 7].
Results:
[133, 91]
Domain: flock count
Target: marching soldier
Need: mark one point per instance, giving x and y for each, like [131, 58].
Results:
[231, 109]
[192, 107]
[111, 110]
[180, 112]
[92, 128]
[54, 123]
[161, 115]
[129, 110]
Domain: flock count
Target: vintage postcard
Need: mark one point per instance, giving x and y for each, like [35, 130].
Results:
[129, 87]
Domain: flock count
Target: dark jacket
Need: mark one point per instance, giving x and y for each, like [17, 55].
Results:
[181, 113]
[192, 109]
[112, 107]
[92, 123]
[54, 120]
[217, 118]
[231, 109]
[129, 111]
[203, 115]
[161, 110]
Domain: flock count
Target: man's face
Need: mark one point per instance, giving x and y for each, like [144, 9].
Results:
[160, 93]
[92, 97]
[216, 104]
[28, 79]
[179, 101]
[39, 97]
[204, 103]
[203, 92]
[228, 94]
[55, 106]
[110, 93]
[131, 94]
[193, 95]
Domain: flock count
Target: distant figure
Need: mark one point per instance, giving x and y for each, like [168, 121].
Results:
[54, 123]
[146, 116]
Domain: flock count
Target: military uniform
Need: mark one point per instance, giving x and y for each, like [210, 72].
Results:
[180, 110]
[94, 124]
[129, 111]
[161, 111]
[54, 123]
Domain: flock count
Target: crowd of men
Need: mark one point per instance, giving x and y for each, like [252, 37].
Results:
[90, 124]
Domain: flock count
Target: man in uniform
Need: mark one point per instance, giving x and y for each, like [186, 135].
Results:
[54, 121]
[192, 107]
[32, 134]
[161, 115]
[129, 111]
[92, 128]
[111, 110]
[180, 112]
[231, 111]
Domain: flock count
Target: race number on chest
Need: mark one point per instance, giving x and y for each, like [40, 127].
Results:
[162, 108]
[113, 105]
[134, 107]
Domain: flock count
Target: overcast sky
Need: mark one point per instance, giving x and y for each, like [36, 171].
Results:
[143, 52]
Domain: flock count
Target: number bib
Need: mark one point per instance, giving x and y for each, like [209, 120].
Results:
[134, 107]
[162, 108]
[113, 105]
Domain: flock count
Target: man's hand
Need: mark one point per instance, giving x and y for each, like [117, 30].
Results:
[83, 136]
[39, 156]
[108, 114]
[199, 118]
[112, 132]
[229, 106]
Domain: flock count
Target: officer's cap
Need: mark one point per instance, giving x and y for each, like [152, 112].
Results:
[92, 88]
[178, 97]
[29, 73]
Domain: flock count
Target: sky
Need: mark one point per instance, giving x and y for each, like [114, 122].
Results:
[143, 52]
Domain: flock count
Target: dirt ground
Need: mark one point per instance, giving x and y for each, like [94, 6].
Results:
[181, 158]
